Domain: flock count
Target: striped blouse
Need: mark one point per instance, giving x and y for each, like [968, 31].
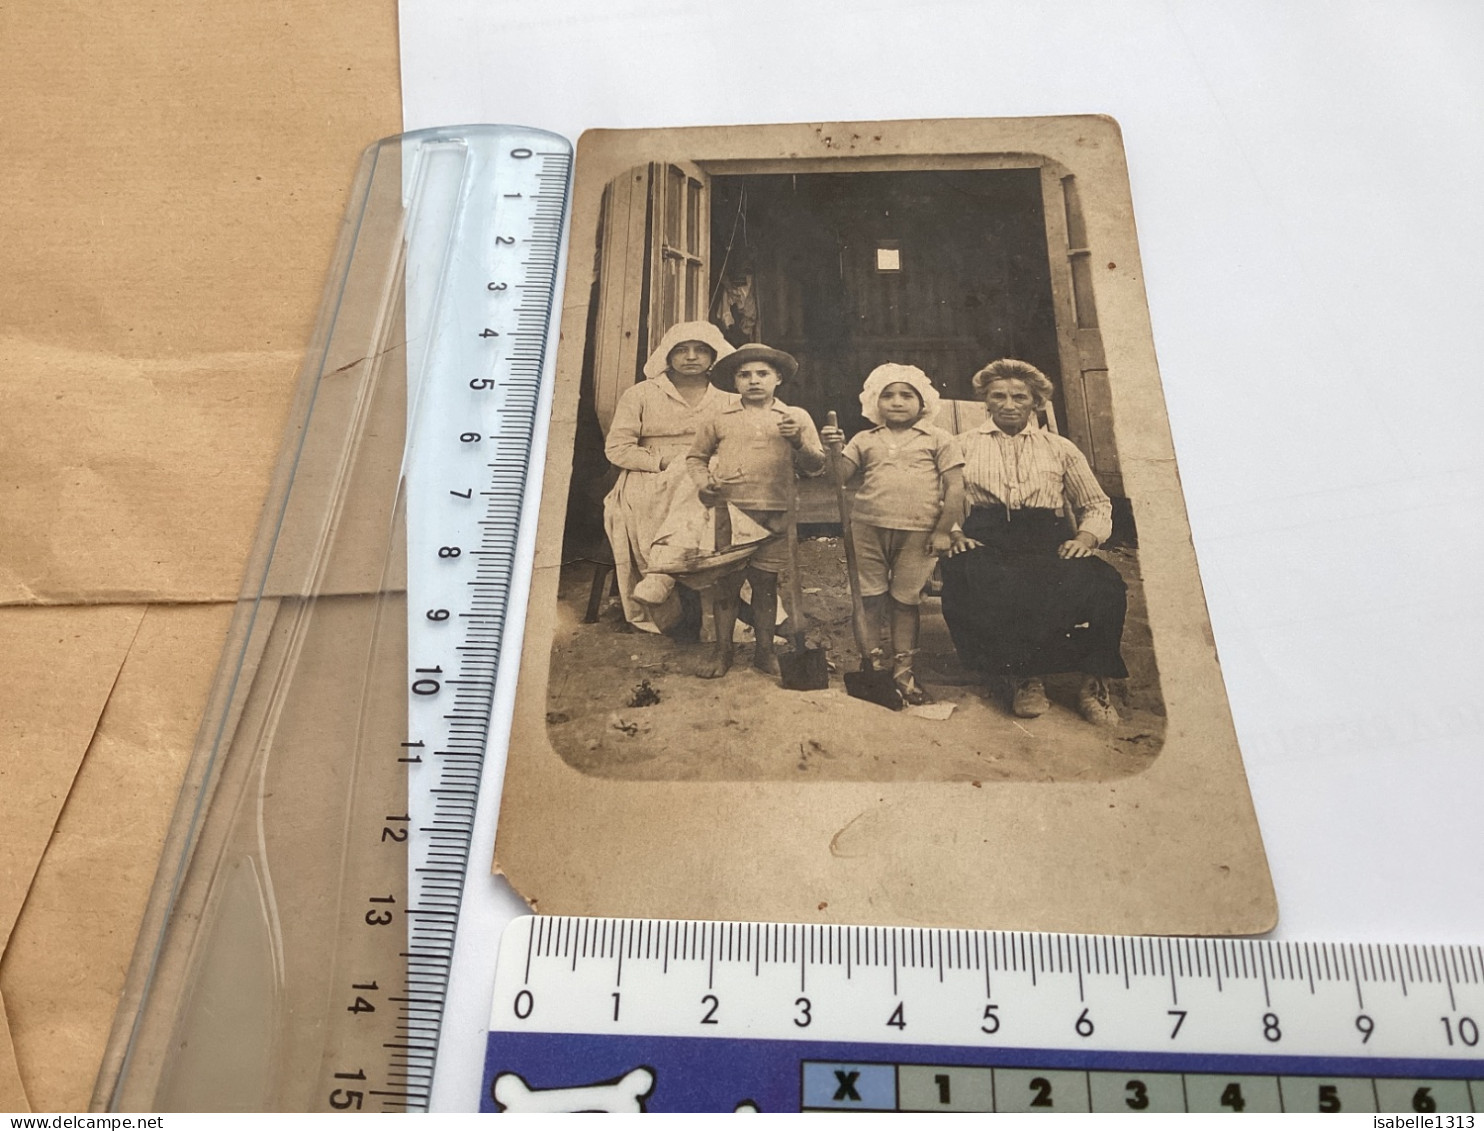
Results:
[1033, 468]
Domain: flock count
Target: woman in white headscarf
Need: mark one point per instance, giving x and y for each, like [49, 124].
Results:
[653, 428]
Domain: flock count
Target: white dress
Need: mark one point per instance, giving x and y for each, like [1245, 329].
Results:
[652, 420]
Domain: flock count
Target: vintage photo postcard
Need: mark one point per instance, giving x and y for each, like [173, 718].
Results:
[864, 590]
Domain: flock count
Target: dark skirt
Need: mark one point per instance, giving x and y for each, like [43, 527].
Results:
[1016, 609]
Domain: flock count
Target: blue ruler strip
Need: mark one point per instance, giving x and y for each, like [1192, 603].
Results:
[697, 1074]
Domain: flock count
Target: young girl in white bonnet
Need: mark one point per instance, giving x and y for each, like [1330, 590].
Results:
[911, 492]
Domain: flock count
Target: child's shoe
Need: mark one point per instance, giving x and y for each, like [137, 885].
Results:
[913, 694]
[654, 588]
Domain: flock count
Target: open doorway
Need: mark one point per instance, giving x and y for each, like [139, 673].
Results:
[945, 270]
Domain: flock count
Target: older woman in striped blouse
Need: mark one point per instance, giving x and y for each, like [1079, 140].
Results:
[1023, 594]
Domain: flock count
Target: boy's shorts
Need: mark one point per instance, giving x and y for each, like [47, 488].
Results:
[895, 561]
[770, 556]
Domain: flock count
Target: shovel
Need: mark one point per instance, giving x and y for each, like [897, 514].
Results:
[870, 684]
[805, 669]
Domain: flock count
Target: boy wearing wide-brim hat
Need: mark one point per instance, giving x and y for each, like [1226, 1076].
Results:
[748, 455]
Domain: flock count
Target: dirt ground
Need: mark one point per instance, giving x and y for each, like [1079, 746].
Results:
[626, 704]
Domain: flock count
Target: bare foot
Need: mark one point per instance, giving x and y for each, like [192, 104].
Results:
[764, 660]
[715, 663]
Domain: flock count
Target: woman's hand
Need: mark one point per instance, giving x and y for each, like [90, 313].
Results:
[1079, 547]
[962, 543]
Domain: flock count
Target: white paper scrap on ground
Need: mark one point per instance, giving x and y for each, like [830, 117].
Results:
[935, 711]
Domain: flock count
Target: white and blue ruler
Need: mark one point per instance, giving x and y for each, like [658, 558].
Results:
[630, 1015]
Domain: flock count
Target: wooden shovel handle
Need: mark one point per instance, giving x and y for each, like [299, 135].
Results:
[857, 606]
[795, 589]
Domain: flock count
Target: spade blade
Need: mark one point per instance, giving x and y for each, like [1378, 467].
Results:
[874, 687]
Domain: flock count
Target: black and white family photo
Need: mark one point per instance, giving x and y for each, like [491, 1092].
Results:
[863, 588]
[846, 500]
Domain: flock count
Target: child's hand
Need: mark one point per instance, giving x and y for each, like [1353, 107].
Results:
[832, 435]
[791, 431]
[710, 494]
[939, 543]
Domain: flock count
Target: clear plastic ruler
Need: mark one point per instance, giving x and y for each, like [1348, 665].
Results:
[299, 943]
[636, 1015]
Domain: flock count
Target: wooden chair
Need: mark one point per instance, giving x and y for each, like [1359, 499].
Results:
[602, 571]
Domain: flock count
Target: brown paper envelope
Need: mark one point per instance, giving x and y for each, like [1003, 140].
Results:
[172, 204]
[69, 951]
[12, 1091]
[175, 183]
[178, 178]
[49, 705]
[155, 493]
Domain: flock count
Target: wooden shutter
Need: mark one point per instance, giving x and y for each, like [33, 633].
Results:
[622, 260]
[665, 273]
[680, 218]
[1089, 422]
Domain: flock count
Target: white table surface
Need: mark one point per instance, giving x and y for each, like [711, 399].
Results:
[1306, 181]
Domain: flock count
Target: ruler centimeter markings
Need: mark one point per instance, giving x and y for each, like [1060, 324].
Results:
[613, 1014]
[477, 296]
[470, 436]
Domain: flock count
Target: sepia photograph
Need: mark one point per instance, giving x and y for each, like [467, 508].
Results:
[861, 550]
[845, 497]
